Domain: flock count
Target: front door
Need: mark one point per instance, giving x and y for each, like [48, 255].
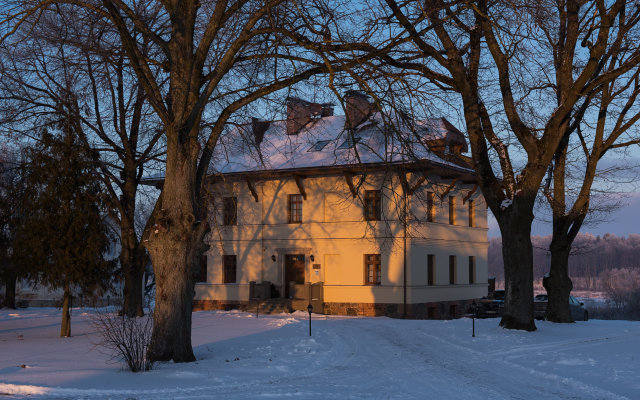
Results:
[293, 271]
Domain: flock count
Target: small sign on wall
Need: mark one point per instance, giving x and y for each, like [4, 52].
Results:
[316, 266]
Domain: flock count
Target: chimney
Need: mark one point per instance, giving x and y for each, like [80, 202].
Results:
[298, 115]
[258, 128]
[358, 107]
[327, 109]
[301, 112]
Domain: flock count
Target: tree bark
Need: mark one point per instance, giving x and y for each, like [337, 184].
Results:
[557, 283]
[10, 280]
[133, 270]
[517, 253]
[171, 336]
[132, 260]
[175, 244]
[65, 327]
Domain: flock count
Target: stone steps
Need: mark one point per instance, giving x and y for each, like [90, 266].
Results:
[271, 306]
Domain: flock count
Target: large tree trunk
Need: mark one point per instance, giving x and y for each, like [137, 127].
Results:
[132, 261]
[171, 336]
[175, 244]
[517, 254]
[133, 270]
[65, 327]
[10, 281]
[132, 257]
[557, 283]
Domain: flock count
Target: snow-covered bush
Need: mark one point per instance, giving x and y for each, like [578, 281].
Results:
[125, 338]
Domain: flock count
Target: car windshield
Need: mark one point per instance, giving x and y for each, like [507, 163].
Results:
[542, 297]
[498, 295]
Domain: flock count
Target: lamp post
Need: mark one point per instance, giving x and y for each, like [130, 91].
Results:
[474, 309]
[309, 308]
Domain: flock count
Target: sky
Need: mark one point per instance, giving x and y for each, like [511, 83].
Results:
[622, 222]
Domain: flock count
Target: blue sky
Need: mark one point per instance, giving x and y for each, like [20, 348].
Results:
[622, 222]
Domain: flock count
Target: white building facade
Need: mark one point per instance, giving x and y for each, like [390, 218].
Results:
[351, 221]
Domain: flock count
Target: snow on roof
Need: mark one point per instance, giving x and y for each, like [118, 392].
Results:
[324, 142]
[441, 129]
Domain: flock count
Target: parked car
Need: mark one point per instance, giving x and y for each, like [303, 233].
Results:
[492, 305]
[578, 310]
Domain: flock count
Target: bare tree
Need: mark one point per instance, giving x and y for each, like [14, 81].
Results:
[209, 59]
[604, 122]
[506, 62]
[71, 65]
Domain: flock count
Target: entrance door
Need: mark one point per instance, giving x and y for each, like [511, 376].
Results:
[293, 271]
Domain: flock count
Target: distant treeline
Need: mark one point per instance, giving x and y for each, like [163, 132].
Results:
[592, 264]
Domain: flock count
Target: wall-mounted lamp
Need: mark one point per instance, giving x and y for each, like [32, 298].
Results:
[312, 258]
[273, 257]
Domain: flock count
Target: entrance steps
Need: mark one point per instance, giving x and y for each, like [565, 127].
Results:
[270, 306]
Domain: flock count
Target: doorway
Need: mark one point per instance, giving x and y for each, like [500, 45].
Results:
[293, 271]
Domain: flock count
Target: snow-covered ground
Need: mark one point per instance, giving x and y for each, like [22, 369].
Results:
[273, 356]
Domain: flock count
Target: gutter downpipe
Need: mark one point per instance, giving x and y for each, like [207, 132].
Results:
[404, 261]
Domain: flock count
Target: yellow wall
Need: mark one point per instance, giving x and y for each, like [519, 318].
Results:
[335, 233]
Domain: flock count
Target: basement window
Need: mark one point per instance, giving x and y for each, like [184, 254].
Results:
[320, 144]
[350, 142]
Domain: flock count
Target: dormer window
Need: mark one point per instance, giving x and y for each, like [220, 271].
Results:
[320, 144]
[350, 142]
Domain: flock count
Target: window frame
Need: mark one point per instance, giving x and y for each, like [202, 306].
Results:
[202, 275]
[472, 270]
[294, 207]
[452, 210]
[472, 214]
[376, 263]
[350, 142]
[431, 269]
[230, 211]
[431, 207]
[229, 260]
[372, 205]
[453, 270]
[319, 146]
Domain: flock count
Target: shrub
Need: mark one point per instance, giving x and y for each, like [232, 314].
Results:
[125, 338]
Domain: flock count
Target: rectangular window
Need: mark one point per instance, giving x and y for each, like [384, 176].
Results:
[452, 210]
[202, 275]
[372, 205]
[431, 207]
[453, 311]
[229, 268]
[452, 270]
[431, 269]
[472, 213]
[230, 211]
[372, 269]
[472, 269]
[295, 208]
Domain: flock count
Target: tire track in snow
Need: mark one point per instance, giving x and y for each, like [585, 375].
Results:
[530, 379]
[407, 362]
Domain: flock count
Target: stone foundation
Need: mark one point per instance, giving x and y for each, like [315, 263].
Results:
[206, 305]
[435, 310]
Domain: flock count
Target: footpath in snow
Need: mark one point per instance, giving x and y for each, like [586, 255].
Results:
[240, 356]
